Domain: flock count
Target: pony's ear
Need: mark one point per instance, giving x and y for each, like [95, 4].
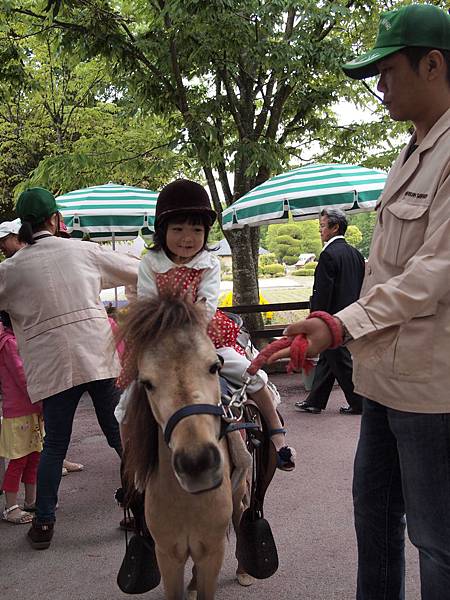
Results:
[203, 309]
[141, 445]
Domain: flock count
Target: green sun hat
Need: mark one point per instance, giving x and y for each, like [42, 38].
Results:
[420, 25]
[35, 205]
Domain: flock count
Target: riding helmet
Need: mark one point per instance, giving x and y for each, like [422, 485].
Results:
[183, 196]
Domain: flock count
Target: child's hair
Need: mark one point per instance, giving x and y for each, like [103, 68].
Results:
[5, 320]
[191, 218]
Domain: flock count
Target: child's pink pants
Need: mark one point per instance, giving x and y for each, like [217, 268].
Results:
[24, 469]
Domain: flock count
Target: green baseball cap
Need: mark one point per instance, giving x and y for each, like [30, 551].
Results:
[420, 25]
[35, 205]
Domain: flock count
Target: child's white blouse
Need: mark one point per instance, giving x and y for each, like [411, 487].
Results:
[159, 262]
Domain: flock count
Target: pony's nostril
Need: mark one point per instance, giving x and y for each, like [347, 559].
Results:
[194, 463]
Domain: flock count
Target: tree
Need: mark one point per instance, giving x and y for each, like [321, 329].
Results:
[61, 127]
[290, 240]
[353, 235]
[252, 81]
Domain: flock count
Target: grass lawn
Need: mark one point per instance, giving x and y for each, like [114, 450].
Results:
[283, 294]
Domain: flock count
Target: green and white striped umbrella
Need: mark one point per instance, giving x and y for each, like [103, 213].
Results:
[109, 212]
[304, 192]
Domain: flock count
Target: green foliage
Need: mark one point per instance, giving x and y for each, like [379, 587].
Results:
[366, 224]
[273, 270]
[353, 235]
[302, 273]
[215, 234]
[293, 239]
[290, 260]
[266, 259]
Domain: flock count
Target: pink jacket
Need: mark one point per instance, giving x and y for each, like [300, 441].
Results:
[16, 402]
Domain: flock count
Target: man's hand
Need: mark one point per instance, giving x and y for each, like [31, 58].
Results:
[317, 333]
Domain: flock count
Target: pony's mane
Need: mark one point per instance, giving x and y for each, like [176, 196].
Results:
[148, 319]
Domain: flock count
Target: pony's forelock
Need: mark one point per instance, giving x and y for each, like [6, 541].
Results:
[147, 320]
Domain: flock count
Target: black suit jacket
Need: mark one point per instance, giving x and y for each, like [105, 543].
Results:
[338, 277]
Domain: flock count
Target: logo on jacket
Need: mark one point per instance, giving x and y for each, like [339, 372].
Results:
[417, 195]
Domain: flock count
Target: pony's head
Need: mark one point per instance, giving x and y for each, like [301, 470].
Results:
[176, 366]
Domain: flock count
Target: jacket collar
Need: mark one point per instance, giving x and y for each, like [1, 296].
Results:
[336, 237]
[402, 171]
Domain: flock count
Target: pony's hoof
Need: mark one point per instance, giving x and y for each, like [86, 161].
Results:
[191, 595]
[245, 579]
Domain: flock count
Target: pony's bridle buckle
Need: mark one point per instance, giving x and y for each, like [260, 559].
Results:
[234, 410]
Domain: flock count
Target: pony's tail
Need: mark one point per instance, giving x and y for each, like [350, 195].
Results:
[141, 444]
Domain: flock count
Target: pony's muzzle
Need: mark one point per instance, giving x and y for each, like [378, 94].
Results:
[198, 469]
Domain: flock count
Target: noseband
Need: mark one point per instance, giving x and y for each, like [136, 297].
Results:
[187, 411]
[229, 410]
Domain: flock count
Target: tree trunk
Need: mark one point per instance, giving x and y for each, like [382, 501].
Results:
[245, 275]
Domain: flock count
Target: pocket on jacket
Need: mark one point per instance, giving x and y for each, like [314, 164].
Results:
[405, 227]
[413, 351]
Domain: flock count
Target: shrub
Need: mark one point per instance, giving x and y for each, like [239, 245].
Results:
[290, 260]
[267, 259]
[303, 272]
[274, 269]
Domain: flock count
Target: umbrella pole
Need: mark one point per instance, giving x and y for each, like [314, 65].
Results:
[114, 247]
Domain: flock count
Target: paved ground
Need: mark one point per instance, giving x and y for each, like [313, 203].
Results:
[309, 510]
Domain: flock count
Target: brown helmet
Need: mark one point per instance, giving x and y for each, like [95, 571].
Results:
[183, 196]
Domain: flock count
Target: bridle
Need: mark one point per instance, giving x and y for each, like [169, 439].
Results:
[230, 412]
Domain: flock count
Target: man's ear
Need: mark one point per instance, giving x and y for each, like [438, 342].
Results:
[435, 64]
[53, 223]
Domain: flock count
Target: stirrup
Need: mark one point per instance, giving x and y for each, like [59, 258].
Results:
[286, 454]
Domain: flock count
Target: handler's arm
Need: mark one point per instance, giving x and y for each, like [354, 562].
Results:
[116, 269]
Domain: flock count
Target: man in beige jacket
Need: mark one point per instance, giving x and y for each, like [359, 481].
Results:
[400, 326]
[51, 290]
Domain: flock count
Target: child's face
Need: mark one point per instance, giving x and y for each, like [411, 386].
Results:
[184, 241]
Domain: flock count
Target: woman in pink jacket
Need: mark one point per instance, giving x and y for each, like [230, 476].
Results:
[22, 429]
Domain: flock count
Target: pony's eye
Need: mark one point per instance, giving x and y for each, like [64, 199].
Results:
[147, 384]
[215, 368]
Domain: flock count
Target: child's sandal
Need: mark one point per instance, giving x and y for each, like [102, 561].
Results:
[285, 455]
[21, 519]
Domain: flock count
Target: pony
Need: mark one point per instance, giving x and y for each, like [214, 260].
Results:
[174, 450]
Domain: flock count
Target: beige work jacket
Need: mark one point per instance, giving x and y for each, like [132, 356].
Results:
[52, 292]
[401, 324]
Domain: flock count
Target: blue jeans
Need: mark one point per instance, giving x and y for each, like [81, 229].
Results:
[402, 466]
[59, 411]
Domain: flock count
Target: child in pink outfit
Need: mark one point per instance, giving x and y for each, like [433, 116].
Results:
[22, 429]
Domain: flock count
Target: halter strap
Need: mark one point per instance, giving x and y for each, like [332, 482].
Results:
[187, 411]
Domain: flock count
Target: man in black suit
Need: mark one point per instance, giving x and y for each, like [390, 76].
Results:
[337, 283]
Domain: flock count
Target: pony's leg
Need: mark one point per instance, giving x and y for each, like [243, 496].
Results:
[208, 572]
[239, 497]
[192, 587]
[172, 575]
